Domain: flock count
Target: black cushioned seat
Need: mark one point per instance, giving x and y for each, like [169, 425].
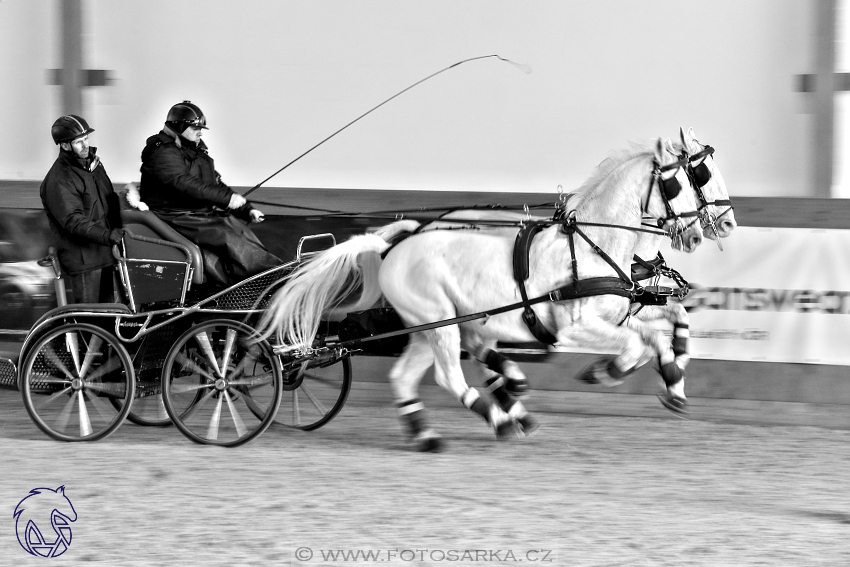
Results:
[146, 223]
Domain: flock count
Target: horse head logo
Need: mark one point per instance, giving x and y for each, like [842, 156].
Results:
[43, 507]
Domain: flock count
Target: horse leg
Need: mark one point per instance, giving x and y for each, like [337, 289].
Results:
[668, 366]
[676, 314]
[405, 376]
[445, 343]
[595, 332]
[504, 381]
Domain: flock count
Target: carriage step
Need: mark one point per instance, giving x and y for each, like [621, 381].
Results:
[8, 374]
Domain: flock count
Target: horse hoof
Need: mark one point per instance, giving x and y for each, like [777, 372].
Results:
[678, 406]
[517, 388]
[429, 442]
[597, 374]
[528, 425]
[507, 430]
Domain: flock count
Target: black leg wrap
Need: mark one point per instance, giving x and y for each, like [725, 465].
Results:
[496, 387]
[413, 416]
[476, 403]
[680, 339]
[515, 382]
[670, 373]
[615, 372]
[495, 361]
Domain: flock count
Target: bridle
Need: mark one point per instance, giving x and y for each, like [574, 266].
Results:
[699, 175]
[669, 189]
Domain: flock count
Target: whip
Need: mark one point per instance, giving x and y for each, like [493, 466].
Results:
[521, 66]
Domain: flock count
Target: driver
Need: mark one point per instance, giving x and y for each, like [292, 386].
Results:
[180, 184]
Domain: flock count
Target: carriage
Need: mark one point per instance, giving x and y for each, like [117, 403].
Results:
[84, 368]
[219, 367]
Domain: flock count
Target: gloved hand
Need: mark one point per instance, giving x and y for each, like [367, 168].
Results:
[236, 201]
[257, 215]
[116, 235]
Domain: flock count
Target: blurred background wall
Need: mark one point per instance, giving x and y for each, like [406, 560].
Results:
[275, 77]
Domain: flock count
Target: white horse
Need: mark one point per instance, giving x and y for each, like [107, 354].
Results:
[717, 220]
[441, 274]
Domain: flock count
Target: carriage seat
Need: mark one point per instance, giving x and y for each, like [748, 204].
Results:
[146, 223]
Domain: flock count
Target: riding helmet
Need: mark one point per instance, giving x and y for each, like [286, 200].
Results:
[69, 127]
[185, 114]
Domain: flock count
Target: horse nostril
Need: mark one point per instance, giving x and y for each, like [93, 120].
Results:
[695, 240]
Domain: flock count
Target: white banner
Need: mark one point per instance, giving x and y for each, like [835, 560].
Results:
[772, 294]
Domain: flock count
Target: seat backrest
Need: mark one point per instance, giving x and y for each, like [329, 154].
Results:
[146, 223]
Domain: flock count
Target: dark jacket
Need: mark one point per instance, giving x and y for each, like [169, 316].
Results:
[82, 208]
[179, 177]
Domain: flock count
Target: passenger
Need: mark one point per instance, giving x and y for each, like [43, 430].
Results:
[179, 183]
[83, 212]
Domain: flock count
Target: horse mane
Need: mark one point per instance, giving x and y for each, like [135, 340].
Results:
[590, 188]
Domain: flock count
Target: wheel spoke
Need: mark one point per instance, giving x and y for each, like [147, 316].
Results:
[195, 407]
[228, 351]
[296, 408]
[186, 388]
[85, 422]
[237, 419]
[250, 358]
[37, 379]
[189, 364]
[105, 368]
[65, 414]
[204, 340]
[55, 396]
[252, 404]
[118, 389]
[257, 380]
[321, 379]
[215, 420]
[313, 399]
[103, 410]
[92, 350]
[73, 346]
[54, 358]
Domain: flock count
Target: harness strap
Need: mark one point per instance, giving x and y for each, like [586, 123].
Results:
[521, 272]
[578, 288]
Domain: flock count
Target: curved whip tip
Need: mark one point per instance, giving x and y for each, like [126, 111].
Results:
[524, 67]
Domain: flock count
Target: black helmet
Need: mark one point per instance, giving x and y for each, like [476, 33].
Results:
[185, 114]
[69, 127]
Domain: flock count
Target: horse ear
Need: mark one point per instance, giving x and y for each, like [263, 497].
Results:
[61, 490]
[659, 150]
[682, 136]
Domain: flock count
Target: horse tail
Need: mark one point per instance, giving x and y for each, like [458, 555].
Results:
[319, 286]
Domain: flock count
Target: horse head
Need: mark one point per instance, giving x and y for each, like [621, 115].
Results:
[669, 199]
[716, 214]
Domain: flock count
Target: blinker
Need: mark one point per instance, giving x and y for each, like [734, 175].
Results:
[701, 174]
[671, 187]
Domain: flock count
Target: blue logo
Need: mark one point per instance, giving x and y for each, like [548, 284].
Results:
[36, 514]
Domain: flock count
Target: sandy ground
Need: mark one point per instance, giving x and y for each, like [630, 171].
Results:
[588, 490]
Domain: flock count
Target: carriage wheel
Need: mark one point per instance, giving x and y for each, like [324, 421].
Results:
[78, 383]
[314, 393]
[220, 384]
